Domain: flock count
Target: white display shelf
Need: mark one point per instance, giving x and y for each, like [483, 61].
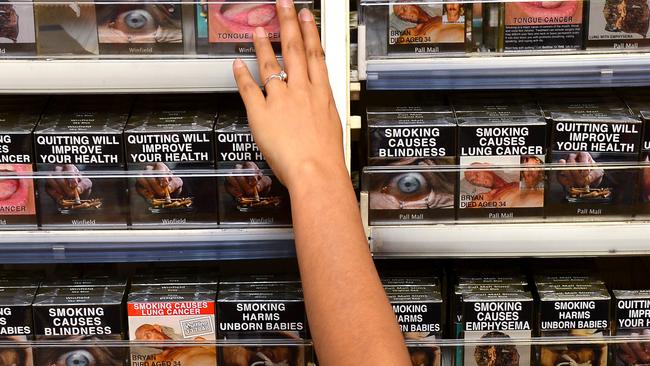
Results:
[512, 240]
[117, 75]
[96, 246]
[506, 71]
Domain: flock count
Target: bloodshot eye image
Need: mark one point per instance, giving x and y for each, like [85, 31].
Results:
[236, 21]
[411, 189]
[139, 23]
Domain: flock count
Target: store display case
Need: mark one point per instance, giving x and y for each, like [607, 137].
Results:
[408, 206]
[482, 46]
[502, 45]
[78, 235]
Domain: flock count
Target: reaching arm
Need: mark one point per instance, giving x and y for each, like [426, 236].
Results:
[297, 128]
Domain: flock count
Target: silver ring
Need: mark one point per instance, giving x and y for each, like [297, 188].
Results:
[282, 76]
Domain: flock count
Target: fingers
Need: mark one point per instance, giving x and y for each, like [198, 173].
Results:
[176, 185]
[293, 48]
[314, 54]
[267, 61]
[232, 187]
[250, 92]
[84, 185]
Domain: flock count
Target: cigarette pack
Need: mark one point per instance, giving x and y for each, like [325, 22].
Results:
[421, 318]
[501, 315]
[538, 26]
[428, 28]
[226, 28]
[79, 315]
[404, 140]
[140, 28]
[500, 131]
[168, 318]
[588, 132]
[18, 201]
[17, 32]
[66, 28]
[80, 139]
[248, 195]
[170, 135]
[632, 317]
[16, 324]
[618, 24]
[574, 313]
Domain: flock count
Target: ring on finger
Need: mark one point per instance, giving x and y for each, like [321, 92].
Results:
[282, 76]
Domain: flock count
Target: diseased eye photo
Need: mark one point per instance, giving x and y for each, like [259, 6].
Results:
[411, 189]
[146, 23]
[82, 356]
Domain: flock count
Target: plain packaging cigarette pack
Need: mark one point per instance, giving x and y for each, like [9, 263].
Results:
[94, 313]
[77, 137]
[226, 27]
[418, 137]
[497, 193]
[18, 202]
[498, 315]
[166, 134]
[574, 313]
[165, 318]
[250, 315]
[589, 132]
[247, 195]
[632, 318]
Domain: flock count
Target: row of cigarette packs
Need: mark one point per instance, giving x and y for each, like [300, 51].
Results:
[162, 310]
[137, 27]
[84, 137]
[507, 307]
[481, 132]
[432, 27]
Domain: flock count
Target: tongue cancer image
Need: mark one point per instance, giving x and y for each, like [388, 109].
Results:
[13, 192]
[243, 18]
[548, 8]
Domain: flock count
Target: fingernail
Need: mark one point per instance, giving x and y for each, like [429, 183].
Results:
[238, 64]
[305, 15]
[260, 33]
[285, 3]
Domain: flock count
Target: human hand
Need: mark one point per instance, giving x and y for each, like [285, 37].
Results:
[249, 186]
[579, 177]
[295, 125]
[68, 188]
[159, 186]
[635, 353]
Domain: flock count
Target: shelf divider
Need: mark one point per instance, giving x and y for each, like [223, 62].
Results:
[512, 240]
[99, 246]
[507, 71]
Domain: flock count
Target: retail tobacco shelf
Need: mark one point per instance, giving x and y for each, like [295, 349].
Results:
[512, 240]
[118, 75]
[85, 246]
[508, 72]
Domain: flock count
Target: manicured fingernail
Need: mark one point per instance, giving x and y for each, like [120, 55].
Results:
[305, 15]
[238, 64]
[260, 33]
[285, 3]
